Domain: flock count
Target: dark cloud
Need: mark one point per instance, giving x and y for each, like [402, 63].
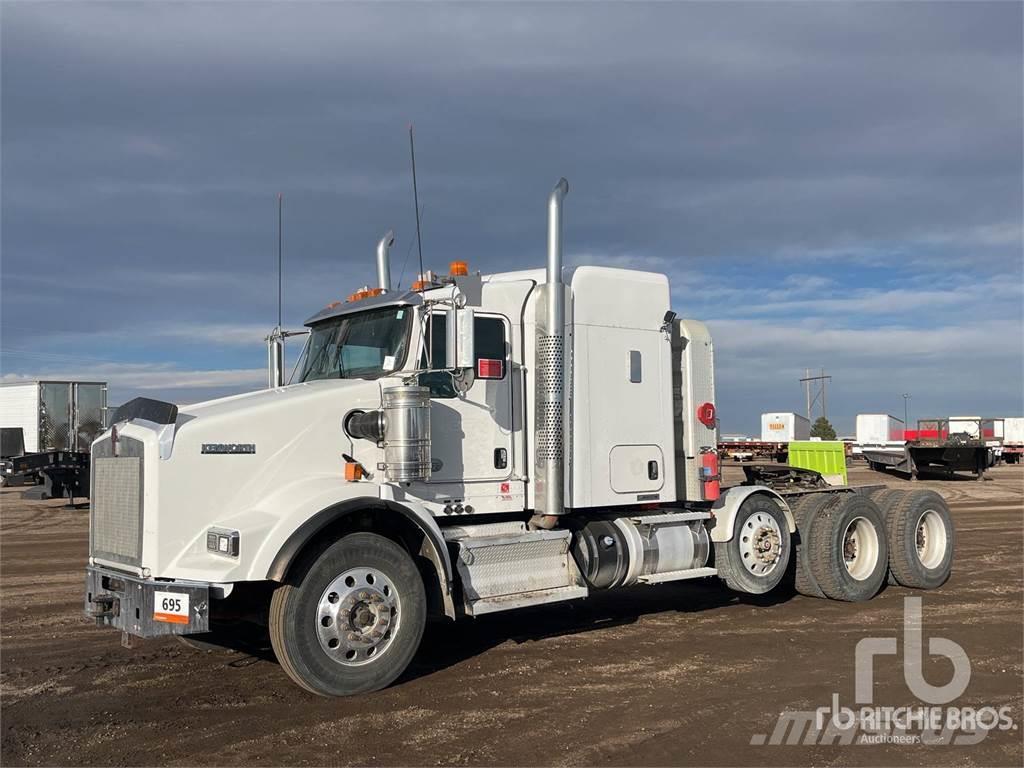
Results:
[143, 145]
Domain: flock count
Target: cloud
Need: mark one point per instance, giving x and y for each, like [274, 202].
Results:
[164, 381]
[824, 170]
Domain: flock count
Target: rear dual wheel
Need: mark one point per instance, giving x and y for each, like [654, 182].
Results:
[921, 540]
[806, 511]
[848, 553]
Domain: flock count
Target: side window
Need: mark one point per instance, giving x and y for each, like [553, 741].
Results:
[491, 353]
[440, 382]
[490, 347]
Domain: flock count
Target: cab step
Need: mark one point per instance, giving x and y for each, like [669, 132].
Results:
[690, 573]
[515, 568]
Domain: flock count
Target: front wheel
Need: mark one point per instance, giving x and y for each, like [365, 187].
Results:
[352, 620]
[755, 559]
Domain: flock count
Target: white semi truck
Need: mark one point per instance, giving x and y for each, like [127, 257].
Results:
[479, 443]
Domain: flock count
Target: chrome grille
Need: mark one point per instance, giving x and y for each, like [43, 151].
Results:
[115, 518]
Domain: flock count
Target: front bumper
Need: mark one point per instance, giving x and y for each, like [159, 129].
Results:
[144, 607]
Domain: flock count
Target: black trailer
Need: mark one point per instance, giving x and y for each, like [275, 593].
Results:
[64, 473]
[938, 451]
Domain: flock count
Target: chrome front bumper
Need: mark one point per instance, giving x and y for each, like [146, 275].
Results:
[145, 607]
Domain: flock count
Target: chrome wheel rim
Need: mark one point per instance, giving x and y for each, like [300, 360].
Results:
[760, 543]
[930, 539]
[358, 616]
[860, 548]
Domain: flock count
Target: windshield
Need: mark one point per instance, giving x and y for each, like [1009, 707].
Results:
[365, 345]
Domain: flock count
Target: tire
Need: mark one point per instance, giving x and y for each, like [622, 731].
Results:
[806, 511]
[879, 495]
[921, 540]
[352, 620]
[849, 553]
[741, 562]
[886, 500]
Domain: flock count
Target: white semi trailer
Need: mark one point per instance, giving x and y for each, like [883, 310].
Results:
[476, 444]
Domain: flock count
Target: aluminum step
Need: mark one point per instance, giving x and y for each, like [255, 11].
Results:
[517, 569]
[690, 573]
[669, 518]
[540, 597]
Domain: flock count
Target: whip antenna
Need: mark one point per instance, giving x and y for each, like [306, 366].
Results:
[416, 199]
[280, 205]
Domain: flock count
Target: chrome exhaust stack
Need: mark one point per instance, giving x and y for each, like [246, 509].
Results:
[549, 410]
[384, 261]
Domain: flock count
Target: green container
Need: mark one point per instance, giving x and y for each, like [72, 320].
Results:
[825, 456]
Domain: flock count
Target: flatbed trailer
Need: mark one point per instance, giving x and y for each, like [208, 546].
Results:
[749, 450]
[64, 473]
[940, 451]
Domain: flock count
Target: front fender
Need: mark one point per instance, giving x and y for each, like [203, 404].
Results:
[728, 505]
[327, 502]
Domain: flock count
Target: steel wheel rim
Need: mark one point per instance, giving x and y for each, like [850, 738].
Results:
[930, 539]
[760, 543]
[358, 616]
[860, 548]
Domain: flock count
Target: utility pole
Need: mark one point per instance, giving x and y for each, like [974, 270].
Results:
[822, 381]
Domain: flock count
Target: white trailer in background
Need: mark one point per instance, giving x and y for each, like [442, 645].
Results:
[479, 443]
[966, 425]
[879, 431]
[54, 415]
[784, 427]
[1013, 439]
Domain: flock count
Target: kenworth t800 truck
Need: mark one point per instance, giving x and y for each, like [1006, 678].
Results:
[479, 443]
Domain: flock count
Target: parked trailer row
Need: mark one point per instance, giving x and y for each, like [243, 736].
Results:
[425, 463]
[53, 425]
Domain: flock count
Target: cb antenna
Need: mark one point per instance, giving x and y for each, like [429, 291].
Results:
[280, 205]
[416, 199]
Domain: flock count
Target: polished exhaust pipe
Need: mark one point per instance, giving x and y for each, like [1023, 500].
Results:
[549, 411]
[384, 261]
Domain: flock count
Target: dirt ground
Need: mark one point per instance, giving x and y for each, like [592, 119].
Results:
[683, 673]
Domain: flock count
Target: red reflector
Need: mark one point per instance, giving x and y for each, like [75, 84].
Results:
[490, 369]
[706, 414]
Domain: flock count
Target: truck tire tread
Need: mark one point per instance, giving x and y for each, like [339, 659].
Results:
[905, 566]
[827, 559]
[806, 511]
[727, 558]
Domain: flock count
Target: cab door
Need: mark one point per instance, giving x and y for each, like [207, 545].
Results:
[471, 433]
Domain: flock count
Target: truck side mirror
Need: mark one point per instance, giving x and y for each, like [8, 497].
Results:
[459, 348]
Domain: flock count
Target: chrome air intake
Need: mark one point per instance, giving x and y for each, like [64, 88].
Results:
[406, 434]
[549, 411]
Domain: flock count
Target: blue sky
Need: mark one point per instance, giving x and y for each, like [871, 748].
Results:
[827, 185]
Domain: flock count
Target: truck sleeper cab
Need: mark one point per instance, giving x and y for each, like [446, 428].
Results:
[479, 444]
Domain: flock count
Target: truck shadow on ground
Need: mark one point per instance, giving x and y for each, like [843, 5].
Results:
[447, 643]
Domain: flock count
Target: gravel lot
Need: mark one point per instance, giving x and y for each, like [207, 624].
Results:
[682, 673]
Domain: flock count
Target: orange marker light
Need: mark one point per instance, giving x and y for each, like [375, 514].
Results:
[420, 285]
[353, 471]
[458, 269]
